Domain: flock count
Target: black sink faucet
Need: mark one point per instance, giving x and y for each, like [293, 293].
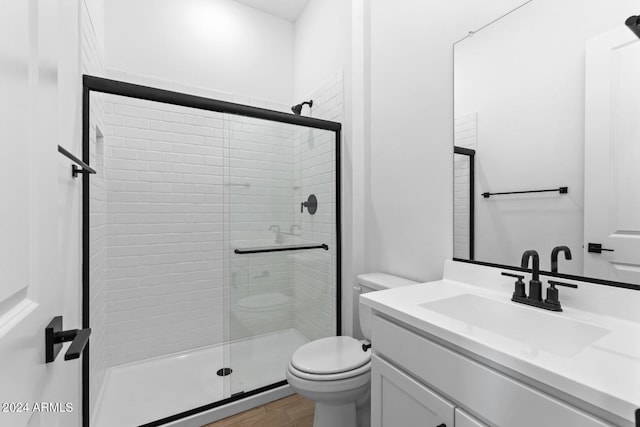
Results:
[554, 256]
[535, 286]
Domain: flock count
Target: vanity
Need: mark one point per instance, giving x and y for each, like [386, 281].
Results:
[545, 162]
[458, 352]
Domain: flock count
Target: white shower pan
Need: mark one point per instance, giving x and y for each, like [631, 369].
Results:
[149, 390]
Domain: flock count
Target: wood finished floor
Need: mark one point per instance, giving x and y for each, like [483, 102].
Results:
[292, 411]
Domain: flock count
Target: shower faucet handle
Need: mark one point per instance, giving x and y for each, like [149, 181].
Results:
[311, 204]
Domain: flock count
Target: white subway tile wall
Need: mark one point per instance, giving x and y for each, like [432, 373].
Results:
[165, 229]
[466, 131]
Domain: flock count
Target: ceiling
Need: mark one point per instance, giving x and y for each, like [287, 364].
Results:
[285, 9]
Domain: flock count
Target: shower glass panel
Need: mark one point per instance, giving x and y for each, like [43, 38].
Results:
[159, 312]
[281, 296]
[197, 290]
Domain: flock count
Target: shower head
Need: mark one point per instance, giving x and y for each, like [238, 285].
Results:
[297, 109]
[633, 22]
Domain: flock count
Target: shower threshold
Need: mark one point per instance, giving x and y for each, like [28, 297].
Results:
[149, 390]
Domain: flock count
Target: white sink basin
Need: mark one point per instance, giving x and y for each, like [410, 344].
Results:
[535, 328]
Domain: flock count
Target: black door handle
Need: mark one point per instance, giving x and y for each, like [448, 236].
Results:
[54, 336]
[597, 248]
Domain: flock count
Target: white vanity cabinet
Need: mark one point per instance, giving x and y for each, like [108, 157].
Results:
[411, 375]
[399, 400]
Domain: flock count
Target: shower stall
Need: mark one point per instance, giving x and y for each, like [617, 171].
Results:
[211, 236]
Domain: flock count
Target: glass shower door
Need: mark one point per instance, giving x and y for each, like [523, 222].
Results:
[282, 251]
[157, 306]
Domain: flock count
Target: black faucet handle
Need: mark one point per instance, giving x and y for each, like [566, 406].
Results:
[555, 283]
[519, 291]
[504, 273]
[552, 294]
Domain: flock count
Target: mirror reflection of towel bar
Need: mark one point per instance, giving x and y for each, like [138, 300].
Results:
[561, 190]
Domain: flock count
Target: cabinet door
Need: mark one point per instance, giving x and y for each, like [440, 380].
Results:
[399, 400]
[465, 420]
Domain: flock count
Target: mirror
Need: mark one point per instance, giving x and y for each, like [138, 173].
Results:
[547, 139]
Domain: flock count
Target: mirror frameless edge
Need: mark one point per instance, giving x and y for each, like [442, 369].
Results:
[525, 107]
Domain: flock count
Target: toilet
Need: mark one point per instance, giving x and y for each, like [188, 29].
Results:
[335, 372]
[265, 312]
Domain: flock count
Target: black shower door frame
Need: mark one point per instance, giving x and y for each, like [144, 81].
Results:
[472, 195]
[115, 87]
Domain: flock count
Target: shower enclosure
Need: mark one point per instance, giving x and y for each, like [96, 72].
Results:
[211, 241]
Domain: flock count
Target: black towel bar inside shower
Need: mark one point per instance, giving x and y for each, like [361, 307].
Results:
[281, 248]
[75, 170]
[561, 190]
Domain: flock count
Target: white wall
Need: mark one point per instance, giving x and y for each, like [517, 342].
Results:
[219, 44]
[410, 155]
[322, 45]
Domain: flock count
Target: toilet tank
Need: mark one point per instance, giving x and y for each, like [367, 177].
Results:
[370, 282]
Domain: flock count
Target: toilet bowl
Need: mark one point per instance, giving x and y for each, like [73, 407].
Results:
[335, 372]
[264, 313]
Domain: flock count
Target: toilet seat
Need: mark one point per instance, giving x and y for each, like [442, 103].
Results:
[330, 358]
[362, 370]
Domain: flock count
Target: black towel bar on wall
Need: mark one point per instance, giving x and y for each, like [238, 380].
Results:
[561, 190]
[75, 170]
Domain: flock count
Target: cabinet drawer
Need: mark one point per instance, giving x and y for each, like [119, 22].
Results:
[399, 400]
[490, 394]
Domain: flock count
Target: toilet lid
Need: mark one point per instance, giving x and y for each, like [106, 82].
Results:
[330, 356]
[262, 301]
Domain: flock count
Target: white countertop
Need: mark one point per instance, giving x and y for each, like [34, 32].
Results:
[605, 373]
